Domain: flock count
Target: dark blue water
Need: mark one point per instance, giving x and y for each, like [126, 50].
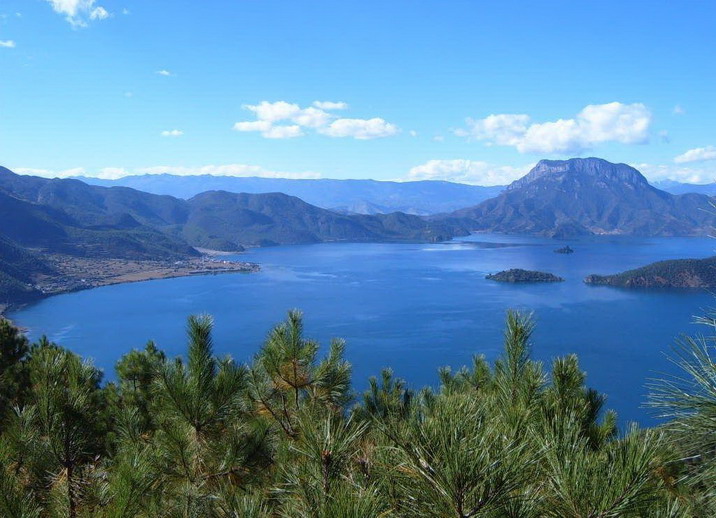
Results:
[412, 307]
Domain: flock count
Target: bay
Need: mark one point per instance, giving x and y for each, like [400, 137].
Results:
[412, 307]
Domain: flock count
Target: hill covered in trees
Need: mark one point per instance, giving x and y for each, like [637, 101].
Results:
[676, 273]
[58, 212]
[43, 219]
[518, 275]
[352, 196]
[286, 435]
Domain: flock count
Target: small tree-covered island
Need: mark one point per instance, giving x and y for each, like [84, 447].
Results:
[286, 435]
[564, 250]
[517, 275]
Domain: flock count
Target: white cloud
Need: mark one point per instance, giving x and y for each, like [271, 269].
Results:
[312, 118]
[272, 112]
[699, 154]
[473, 172]
[172, 133]
[595, 124]
[164, 73]
[413, 133]
[267, 130]
[8, 44]
[678, 110]
[283, 132]
[126, 11]
[504, 129]
[48, 173]
[77, 12]
[362, 129]
[281, 111]
[438, 138]
[99, 13]
[262, 126]
[316, 117]
[330, 105]
[112, 173]
[677, 173]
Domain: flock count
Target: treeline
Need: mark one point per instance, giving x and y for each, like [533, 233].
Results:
[285, 436]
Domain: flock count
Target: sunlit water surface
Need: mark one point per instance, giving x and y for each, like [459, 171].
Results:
[413, 307]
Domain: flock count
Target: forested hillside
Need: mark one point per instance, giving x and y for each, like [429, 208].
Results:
[68, 219]
[286, 435]
[353, 196]
[675, 273]
[66, 214]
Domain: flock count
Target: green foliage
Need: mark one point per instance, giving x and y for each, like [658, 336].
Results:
[205, 436]
[516, 275]
[674, 273]
[14, 376]
[688, 401]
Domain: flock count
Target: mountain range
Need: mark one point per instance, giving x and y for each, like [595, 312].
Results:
[673, 187]
[70, 217]
[559, 198]
[347, 196]
[582, 196]
[67, 215]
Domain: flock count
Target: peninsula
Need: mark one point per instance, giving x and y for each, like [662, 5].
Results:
[677, 273]
[65, 274]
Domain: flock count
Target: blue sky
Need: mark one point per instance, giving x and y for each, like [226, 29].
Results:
[469, 91]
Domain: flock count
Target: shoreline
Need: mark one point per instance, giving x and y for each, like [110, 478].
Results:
[79, 274]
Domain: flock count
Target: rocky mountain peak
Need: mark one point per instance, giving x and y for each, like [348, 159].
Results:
[592, 168]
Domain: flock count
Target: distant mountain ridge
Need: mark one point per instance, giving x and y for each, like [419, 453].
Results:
[347, 196]
[217, 219]
[582, 196]
[559, 198]
[69, 217]
[672, 187]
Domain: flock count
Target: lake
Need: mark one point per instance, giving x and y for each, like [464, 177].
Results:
[413, 307]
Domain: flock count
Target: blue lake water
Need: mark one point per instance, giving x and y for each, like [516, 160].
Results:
[409, 306]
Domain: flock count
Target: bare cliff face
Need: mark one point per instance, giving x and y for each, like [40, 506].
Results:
[584, 196]
[583, 171]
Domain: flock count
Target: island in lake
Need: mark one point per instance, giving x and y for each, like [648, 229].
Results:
[677, 273]
[518, 275]
[564, 250]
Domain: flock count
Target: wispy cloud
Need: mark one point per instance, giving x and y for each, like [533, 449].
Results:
[475, 172]
[7, 44]
[113, 173]
[595, 124]
[330, 105]
[677, 173]
[699, 154]
[165, 73]
[282, 119]
[172, 133]
[79, 12]
[361, 129]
